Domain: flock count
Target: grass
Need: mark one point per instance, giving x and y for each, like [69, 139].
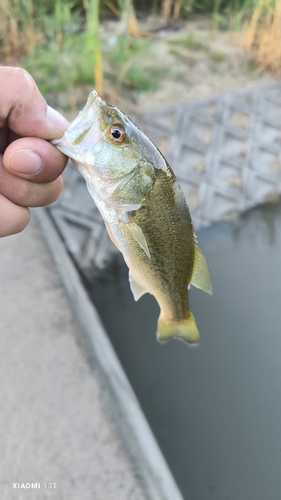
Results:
[190, 42]
[17, 31]
[217, 57]
[261, 35]
[51, 41]
[191, 61]
[59, 41]
[146, 79]
[126, 63]
[56, 71]
[73, 65]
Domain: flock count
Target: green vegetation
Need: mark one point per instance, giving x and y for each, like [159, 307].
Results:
[93, 45]
[126, 60]
[60, 41]
[127, 50]
[61, 70]
[261, 35]
[124, 64]
[190, 42]
[178, 54]
[23, 23]
[217, 57]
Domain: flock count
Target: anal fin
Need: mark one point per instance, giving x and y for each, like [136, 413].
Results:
[137, 289]
[201, 275]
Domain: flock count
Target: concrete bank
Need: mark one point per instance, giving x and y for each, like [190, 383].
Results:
[54, 424]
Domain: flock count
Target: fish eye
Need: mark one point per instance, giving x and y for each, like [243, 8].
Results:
[117, 133]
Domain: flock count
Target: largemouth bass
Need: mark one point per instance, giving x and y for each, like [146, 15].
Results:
[144, 210]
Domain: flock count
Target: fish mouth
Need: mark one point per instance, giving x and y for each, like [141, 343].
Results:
[83, 131]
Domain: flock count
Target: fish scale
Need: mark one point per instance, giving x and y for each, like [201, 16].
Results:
[144, 211]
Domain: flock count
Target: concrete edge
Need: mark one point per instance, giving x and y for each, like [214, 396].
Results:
[148, 462]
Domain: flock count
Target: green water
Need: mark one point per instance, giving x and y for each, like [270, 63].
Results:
[215, 409]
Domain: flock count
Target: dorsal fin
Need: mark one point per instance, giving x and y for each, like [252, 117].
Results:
[195, 238]
[201, 275]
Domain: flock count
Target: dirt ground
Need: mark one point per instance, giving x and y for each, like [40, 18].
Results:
[192, 73]
[224, 68]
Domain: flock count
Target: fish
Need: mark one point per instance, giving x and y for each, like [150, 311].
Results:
[144, 211]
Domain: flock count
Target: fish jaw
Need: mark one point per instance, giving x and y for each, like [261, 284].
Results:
[84, 132]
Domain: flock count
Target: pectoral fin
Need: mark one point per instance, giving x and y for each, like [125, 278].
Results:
[137, 289]
[134, 188]
[138, 235]
[201, 275]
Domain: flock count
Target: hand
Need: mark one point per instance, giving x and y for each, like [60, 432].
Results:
[30, 167]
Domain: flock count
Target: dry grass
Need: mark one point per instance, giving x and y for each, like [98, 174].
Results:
[128, 18]
[261, 35]
[171, 9]
[17, 31]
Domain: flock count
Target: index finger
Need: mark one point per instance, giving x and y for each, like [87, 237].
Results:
[24, 109]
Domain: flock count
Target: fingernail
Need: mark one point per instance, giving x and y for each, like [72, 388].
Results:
[25, 161]
[57, 120]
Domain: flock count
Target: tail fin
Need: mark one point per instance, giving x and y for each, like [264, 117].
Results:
[186, 329]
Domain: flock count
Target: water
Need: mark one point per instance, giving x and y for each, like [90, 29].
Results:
[216, 409]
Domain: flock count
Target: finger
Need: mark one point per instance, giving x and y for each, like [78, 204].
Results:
[26, 193]
[34, 159]
[13, 218]
[4, 134]
[25, 109]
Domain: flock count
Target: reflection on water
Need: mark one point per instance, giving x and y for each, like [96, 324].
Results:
[216, 409]
[260, 223]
